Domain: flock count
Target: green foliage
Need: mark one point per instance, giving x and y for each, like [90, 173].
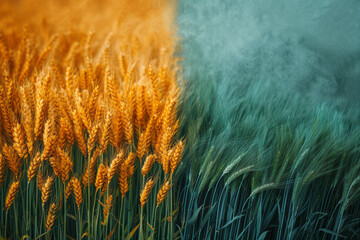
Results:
[272, 140]
[266, 166]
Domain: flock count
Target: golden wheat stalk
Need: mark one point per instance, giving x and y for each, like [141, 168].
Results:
[28, 127]
[93, 101]
[31, 100]
[165, 141]
[55, 164]
[123, 64]
[145, 138]
[115, 166]
[116, 133]
[148, 164]
[105, 138]
[140, 111]
[107, 206]
[93, 137]
[101, 176]
[10, 197]
[65, 165]
[61, 140]
[13, 159]
[79, 134]
[176, 156]
[6, 114]
[68, 190]
[165, 160]
[49, 139]
[76, 188]
[40, 180]
[122, 180]
[152, 76]
[128, 127]
[19, 141]
[82, 80]
[82, 112]
[144, 195]
[51, 217]
[45, 190]
[68, 130]
[2, 168]
[132, 103]
[129, 162]
[34, 166]
[162, 193]
[69, 83]
[89, 173]
[111, 87]
[170, 114]
[39, 116]
[43, 55]
[105, 186]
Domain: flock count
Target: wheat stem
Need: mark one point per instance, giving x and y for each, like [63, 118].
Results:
[171, 211]
[141, 236]
[89, 203]
[64, 232]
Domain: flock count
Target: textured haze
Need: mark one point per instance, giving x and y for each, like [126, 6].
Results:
[309, 48]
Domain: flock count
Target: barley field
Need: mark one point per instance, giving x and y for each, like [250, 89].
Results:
[165, 119]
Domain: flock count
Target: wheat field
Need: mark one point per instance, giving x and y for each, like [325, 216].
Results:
[89, 119]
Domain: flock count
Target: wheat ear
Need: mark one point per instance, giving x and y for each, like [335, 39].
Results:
[34, 166]
[51, 217]
[76, 188]
[146, 192]
[10, 197]
[45, 190]
[148, 164]
[162, 193]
